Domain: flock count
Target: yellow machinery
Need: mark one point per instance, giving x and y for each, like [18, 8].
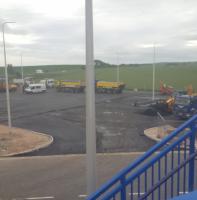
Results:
[170, 101]
[162, 106]
[190, 91]
[74, 86]
[109, 87]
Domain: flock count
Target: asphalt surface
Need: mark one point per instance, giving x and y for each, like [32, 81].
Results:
[53, 177]
[120, 125]
[64, 177]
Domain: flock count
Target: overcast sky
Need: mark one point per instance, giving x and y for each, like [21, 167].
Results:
[53, 32]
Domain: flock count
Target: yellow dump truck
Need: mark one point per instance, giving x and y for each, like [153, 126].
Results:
[12, 87]
[74, 86]
[109, 87]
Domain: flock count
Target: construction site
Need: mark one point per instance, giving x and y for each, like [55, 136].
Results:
[120, 121]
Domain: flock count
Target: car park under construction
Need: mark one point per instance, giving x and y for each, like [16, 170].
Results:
[119, 125]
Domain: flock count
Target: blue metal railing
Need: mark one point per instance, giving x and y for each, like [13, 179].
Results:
[164, 171]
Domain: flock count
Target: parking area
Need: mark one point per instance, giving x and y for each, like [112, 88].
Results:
[119, 125]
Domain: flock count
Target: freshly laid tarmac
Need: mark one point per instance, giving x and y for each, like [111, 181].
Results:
[119, 125]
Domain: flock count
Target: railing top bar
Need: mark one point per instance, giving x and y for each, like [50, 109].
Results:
[139, 160]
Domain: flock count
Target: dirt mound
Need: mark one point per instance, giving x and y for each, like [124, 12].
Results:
[18, 141]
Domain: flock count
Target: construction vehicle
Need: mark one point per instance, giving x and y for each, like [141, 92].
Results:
[185, 107]
[73, 86]
[11, 87]
[18, 81]
[28, 80]
[166, 89]
[109, 87]
[162, 106]
[49, 83]
[190, 91]
[79, 86]
[187, 92]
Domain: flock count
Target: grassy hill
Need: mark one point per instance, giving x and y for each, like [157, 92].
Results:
[178, 75]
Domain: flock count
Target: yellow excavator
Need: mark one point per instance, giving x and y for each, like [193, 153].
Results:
[162, 106]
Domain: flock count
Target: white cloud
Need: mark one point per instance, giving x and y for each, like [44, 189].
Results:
[151, 45]
[20, 39]
[192, 43]
[54, 31]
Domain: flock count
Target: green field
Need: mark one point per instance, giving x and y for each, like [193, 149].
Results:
[178, 75]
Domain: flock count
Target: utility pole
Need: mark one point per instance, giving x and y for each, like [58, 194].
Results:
[118, 69]
[90, 102]
[153, 90]
[6, 79]
[22, 74]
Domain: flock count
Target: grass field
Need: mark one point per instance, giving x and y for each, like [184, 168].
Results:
[178, 75]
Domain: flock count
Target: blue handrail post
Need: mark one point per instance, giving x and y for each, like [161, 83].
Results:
[123, 189]
[192, 162]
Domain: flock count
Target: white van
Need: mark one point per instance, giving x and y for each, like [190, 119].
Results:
[35, 88]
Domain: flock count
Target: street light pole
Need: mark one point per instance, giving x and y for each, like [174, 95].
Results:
[153, 90]
[6, 79]
[90, 102]
[118, 70]
[22, 75]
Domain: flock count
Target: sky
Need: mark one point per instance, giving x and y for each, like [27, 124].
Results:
[125, 31]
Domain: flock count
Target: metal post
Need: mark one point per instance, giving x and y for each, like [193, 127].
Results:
[6, 77]
[22, 75]
[118, 70]
[192, 162]
[123, 189]
[90, 102]
[153, 90]
[118, 73]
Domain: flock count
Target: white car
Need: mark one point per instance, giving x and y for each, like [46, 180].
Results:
[35, 88]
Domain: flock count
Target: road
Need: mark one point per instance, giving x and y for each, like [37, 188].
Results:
[59, 177]
[55, 177]
[119, 126]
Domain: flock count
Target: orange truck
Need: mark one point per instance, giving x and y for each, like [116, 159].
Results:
[12, 87]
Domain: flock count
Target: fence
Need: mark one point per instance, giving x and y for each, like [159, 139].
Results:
[164, 171]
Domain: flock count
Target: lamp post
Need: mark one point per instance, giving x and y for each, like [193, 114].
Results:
[118, 70]
[6, 79]
[90, 102]
[153, 90]
[22, 74]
